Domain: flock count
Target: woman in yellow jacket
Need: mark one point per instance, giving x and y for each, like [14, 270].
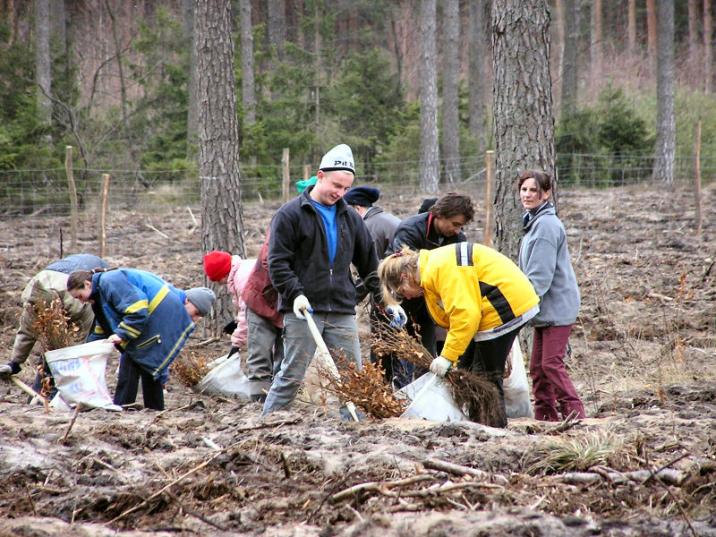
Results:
[474, 292]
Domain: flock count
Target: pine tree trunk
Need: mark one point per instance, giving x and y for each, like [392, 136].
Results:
[708, 49]
[222, 223]
[631, 27]
[651, 30]
[693, 8]
[429, 152]
[478, 51]
[277, 26]
[524, 122]
[570, 62]
[248, 97]
[558, 49]
[192, 105]
[43, 61]
[451, 116]
[596, 41]
[665, 119]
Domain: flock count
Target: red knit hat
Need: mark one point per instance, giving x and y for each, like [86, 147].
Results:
[217, 265]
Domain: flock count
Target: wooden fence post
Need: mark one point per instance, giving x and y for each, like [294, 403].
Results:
[73, 198]
[104, 203]
[286, 174]
[489, 181]
[697, 180]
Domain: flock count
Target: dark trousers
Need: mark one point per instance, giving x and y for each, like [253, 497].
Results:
[128, 385]
[551, 384]
[489, 360]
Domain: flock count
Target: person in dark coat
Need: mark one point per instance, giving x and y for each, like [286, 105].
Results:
[314, 240]
[146, 318]
[382, 226]
[440, 225]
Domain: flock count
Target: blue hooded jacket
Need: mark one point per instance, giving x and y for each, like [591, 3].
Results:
[146, 312]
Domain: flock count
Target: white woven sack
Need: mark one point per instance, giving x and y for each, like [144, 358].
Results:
[79, 374]
[432, 403]
[517, 390]
[226, 377]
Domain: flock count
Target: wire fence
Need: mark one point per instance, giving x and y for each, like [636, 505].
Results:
[46, 192]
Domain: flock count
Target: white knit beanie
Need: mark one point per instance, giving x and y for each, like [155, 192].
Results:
[338, 158]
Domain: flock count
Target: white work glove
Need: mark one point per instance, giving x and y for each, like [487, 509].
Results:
[301, 303]
[397, 314]
[440, 366]
[5, 371]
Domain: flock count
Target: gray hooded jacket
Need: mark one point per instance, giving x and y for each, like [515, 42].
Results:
[544, 258]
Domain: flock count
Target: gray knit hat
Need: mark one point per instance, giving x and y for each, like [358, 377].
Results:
[203, 299]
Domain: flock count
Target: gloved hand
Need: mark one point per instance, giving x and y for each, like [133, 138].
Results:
[440, 366]
[398, 316]
[230, 327]
[9, 369]
[301, 303]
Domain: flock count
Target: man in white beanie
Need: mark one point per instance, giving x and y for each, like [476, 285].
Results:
[313, 241]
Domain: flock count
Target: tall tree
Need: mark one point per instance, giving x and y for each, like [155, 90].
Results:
[665, 119]
[693, 10]
[277, 26]
[595, 46]
[651, 30]
[631, 26]
[248, 97]
[222, 222]
[477, 53]
[522, 92]
[708, 48]
[571, 56]
[43, 61]
[192, 105]
[451, 72]
[429, 150]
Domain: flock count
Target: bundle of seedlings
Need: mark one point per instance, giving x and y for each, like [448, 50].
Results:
[54, 330]
[190, 368]
[365, 388]
[474, 394]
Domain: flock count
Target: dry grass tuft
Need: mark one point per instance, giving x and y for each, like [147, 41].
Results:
[190, 368]
[475, 395]
[577, 454]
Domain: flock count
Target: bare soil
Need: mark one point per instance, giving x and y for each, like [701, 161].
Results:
[643, 358]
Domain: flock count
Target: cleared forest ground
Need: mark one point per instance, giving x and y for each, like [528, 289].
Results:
[644, 360]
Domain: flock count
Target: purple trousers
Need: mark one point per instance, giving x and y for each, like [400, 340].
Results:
[551, 384]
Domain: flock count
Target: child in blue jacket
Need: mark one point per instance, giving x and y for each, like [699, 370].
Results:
[146, 318]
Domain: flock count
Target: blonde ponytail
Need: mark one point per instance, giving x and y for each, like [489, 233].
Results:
[391, 271]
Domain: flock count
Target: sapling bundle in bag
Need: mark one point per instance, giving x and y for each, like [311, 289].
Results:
[517, 391]
[430, 399]
[225, 377]
[79, 373]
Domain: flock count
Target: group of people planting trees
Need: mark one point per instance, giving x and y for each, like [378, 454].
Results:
[422, 275]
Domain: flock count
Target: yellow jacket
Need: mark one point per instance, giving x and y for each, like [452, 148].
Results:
[474, 292]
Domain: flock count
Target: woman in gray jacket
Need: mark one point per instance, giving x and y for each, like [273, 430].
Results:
[544, 258]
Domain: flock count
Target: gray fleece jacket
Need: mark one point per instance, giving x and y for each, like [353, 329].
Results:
[544, 258]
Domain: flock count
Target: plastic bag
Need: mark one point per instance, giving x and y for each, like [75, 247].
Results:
[225, 378]
[517, 391]
[434, 402]
[79, 374]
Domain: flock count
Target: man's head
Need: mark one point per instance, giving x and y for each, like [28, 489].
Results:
[217, 265]
[362, 196]
[451, 213]
[335, 175]
[199, 301]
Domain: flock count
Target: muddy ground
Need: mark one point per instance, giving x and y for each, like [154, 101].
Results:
[644, 360]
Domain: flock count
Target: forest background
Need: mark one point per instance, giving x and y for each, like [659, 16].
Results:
[113, 79]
